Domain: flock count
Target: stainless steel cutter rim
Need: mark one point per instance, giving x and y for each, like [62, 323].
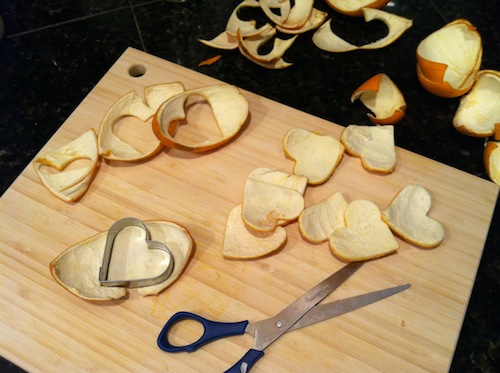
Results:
[108, 250]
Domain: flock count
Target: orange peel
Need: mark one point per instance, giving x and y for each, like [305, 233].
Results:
[315, 156]
[325, 39]
[240, 242]
[479, 110]
[383, 97]
[77, 268]
[272, 198]
[250, 46]
[491, 157]
[449, 59]
[229, 106]
[236, 25]
[111, 146]
[355, 8]
[65, 183]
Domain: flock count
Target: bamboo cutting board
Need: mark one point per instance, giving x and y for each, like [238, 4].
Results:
[45, 328]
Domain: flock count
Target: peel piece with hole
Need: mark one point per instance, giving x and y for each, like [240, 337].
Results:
[325, 39]
[65, 183]
[449, 59]
[229, 106]
[315, 156]
[111, 146]
[365, 235]
[241, 242]
[355, 7]
[374, 145]
[479, 110]
[250, 46]
[276, 10]
[77, 268]
[272, 198]
[319, 221]
[407, 217]
[383, 97]
[236, 25]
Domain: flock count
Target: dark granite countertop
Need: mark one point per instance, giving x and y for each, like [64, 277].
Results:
[53, 53]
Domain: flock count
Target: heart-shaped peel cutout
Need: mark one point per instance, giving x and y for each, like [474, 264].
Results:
[316, 156]
[374, 145]
[131, 259]
[240, 242]
[406, 215]
[365, 235]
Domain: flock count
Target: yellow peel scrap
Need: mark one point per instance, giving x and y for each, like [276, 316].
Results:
[325, 39]
[69, 185]
[222, 41]
[251, 45]
[236, 25]
[113, 147]
[229, 106]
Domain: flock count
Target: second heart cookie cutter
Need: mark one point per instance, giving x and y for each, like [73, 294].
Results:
[116, 228]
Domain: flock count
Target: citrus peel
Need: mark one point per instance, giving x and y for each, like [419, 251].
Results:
[111, 146]
[66, 183]
[315, 156]
[382, 96]
[240, 242]
[449, 59]
[229, 107]
[325, 39]
[355, 7]
[479, 109]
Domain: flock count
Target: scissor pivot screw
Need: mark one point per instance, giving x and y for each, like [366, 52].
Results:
[279, 324]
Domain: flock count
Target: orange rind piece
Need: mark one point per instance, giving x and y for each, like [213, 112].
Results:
[382, 96]
[479, 110]
[491, 157]
[449, 59]
[240, 242]
[77, 268]
[315, 156]
[325, 39]
[272, 198]
[112, 146]
[355, 7]
[228, 106]
[249, 46]
[69, 183]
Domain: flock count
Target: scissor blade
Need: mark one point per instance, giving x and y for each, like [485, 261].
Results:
[329, 310]
[267, 331]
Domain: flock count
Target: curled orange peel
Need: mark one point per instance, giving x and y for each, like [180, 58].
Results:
[383, 98]
[250, 46]
[449, 59]
[325, 39]
[491, 156]
[111, 146]
[69, 184]
[479, 110]
[229, 106]
[355, 7]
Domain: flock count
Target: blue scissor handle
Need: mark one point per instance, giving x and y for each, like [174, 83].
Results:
[212, 330]
[246, 362]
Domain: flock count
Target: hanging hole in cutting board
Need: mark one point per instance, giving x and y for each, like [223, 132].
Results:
[136, 71]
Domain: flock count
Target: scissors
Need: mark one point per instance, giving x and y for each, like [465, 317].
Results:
[302, 312]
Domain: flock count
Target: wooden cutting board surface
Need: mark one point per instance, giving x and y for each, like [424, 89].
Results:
[45, 328]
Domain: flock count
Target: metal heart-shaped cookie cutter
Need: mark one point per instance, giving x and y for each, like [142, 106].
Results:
[108, 250]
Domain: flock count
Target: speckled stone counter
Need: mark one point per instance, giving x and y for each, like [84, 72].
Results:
[53, 53]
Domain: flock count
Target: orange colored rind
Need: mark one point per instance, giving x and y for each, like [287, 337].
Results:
[479, 111]
[355, 7]
[383, 98]
[229, 108]
[449, 59]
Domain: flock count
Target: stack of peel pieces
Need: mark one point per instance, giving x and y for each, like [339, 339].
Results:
[63, 174]
[296, 17]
